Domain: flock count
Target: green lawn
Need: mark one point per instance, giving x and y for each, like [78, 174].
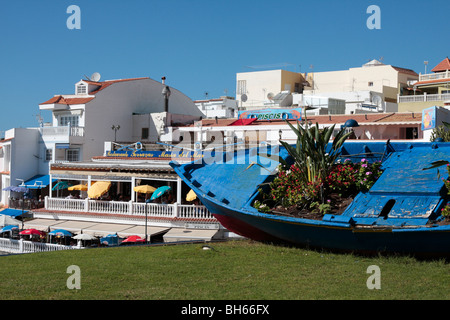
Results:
[235, 270]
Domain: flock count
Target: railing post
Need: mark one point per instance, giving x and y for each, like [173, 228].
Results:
[86, 205]
[176, 208]
[46, 202]
[130, 207]
[21, 246]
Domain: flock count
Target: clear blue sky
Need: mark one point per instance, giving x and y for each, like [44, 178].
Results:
[200, 45]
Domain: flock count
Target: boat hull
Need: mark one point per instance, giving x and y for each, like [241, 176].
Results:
[422, 241]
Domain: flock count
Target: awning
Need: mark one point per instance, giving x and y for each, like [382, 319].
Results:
[140, 231]
[243, 122]
[73, 226]
[103, 229]
[62, 146]
[178, 234]
[38, 182]
[41, 224]
[13, 212]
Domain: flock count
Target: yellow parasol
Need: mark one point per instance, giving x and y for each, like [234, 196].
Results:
[144, 189]
[81, 187]
[191, 196]
[98, 189]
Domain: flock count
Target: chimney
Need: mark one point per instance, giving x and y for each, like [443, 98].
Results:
[163, 80]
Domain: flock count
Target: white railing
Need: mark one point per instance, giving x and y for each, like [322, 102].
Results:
[434, 76]
[424, 98]
[64, 131]
[140, 209]
[22, 246]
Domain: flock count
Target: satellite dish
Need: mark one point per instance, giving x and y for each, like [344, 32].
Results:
[270, 96]
[378, 101]
[95, 77]
[244, 98]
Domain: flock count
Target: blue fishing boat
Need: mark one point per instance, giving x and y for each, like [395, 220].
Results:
[401, 213]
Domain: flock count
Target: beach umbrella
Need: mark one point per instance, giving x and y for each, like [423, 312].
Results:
[159, 192]
[6, 220]
[20, 189]
[8, 228]
[79, 187]
[31, 232]
[84, 236]
[110, 240]
[133, 239]
[8, 188]
[98, 189]
[191, 196]
[61, 185]
[144, 189]
[60, 233]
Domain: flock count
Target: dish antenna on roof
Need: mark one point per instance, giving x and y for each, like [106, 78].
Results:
[96, 77]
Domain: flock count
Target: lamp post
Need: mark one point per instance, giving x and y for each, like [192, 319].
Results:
[115, 128]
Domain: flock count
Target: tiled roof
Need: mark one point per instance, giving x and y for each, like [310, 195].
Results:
[105, 84]
[419, 83]
[406, 71]
[62, 100]
[101, 85]
[444, 65]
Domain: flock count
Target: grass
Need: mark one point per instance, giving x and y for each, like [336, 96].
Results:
[235, 270]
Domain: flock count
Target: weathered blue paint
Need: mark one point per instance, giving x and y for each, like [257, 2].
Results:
[396, 215]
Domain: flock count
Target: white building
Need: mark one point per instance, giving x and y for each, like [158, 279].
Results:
[224, 107]
[123, 110]
[372, 87]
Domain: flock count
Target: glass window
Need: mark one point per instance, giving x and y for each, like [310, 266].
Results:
[144, 134]
[66, 120]
[48, 154]
[81, 89]
[72, 154]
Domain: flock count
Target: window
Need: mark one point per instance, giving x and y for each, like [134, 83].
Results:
[242, 86]
[69, 120]
[72, 154]
[144, 134]
[81, 89]
[48, 154]
[370, 84]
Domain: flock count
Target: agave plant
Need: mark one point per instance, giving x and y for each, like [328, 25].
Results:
[312, 153]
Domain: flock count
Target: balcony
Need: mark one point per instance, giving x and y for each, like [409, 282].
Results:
[169, 215]
[424, 98]
[65, 131]
[434, 76]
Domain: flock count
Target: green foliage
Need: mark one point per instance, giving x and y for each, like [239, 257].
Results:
[442, 132]
[315, 174]
[310, 153]
[345, 179]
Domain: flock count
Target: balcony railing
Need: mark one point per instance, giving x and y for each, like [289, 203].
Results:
[130, 208]
[434, 76]
[424, 98]
[65, 131]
